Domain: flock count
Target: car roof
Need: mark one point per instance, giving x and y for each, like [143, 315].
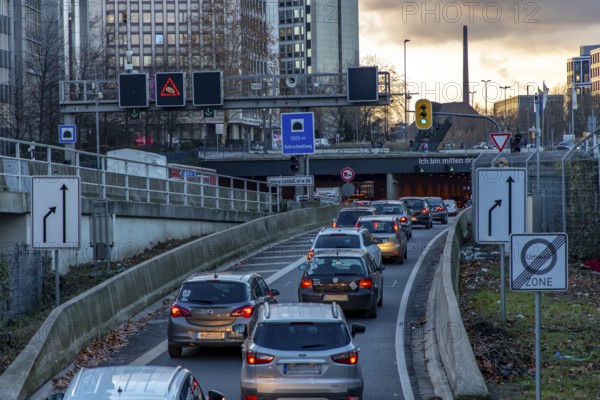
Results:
[383, 217]
[221, 276]
[387, 202]
[301, 312]
[348, 209]
[134, 381]
[344, 230]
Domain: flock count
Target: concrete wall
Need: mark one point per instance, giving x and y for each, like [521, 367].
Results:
[450, 342]
[74, 324]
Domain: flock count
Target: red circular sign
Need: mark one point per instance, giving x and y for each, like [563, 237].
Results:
[347, 174]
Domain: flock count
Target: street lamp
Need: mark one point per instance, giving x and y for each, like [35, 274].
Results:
[406, 96]
[485, 83]
[128, 62]
[473, 97]
[504, 115]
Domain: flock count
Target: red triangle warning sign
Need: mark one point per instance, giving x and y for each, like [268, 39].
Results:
[169, 89]
[500, 140]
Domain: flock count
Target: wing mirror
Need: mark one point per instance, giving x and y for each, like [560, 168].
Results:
[357, 328]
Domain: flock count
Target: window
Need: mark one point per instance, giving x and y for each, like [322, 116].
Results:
[158, 17]
[159, 39]
[293, 336]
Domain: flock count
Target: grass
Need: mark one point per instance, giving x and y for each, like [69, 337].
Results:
[506, 352]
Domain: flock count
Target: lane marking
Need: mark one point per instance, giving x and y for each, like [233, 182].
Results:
[400, 358]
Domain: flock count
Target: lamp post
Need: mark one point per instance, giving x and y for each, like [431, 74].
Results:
[504, 115]
[472, 97]
[485, 85]
[406, 96]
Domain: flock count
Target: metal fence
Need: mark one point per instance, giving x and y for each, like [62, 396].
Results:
[564, 191]
[114, 178]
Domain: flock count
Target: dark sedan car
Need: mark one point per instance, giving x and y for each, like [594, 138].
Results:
[420, 211]
[438, 209]
[348, 216]
[351, 278]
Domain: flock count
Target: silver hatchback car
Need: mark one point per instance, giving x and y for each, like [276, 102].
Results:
[209, 304]
[301, 351]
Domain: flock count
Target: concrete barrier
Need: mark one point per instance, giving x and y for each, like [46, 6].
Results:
[74, 324]
[449, 343]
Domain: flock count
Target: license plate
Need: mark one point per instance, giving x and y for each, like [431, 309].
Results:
[302, 369]
[335, 297]
[210, 335]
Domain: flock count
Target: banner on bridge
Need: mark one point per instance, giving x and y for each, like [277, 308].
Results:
[307, 180]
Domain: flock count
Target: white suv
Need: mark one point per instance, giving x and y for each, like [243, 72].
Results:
[301, 350]
[345, 238]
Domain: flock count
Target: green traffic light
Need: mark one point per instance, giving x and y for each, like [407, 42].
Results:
[423, 121]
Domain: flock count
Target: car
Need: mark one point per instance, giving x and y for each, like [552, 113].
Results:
[333, 239]
[301, 350]
[136, 382]
[565, 146]
[351, 278]
[483, 146]
[438, 209]
[348, 216]
[398, 208]
[386, 230]
[209, 304]
[420, 211]
[451, 206]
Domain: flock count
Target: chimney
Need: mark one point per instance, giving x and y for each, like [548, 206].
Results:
[465, 66]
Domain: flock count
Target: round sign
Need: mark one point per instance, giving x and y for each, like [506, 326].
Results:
[347, 174]
[347, 189]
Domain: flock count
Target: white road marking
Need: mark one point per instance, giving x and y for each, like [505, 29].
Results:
[400, 358]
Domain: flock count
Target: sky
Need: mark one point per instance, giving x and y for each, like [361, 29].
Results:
[511, 43]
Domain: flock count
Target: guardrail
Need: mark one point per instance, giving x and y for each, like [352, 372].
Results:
[114, 178]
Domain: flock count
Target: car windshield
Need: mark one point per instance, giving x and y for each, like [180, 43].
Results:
[336, 266]
[337, 241]
[350, 217]
[294, 336]
[389, 209]
[213, 292]
[378, 226]
[435, 202]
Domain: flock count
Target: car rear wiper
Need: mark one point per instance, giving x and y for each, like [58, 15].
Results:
[200, 301]
[308, 346]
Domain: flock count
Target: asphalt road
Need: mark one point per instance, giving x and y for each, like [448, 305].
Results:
[391, 353]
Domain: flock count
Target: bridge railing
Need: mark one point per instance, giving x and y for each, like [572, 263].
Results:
[105, 177]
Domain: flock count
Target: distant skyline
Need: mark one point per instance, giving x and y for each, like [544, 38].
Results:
[510, 43]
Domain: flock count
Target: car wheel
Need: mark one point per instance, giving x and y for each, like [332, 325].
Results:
[445, 220]
[372, 313]
[405, 253]
[175, 351]
[430, 224]
[380, 302]
[401, 258]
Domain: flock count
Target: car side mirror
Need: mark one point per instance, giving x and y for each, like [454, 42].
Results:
[357, 328]
[214, 395]
[274, 292]
[381, 267]
[302, 266]
[241, 329]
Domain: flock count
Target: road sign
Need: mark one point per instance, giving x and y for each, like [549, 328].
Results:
[55, 212]
[297, 133]
[347, 189]
[500, 203]
[67, 134]
[133, 90]
[363, 84]
[209, 112]
[500, 140]
[207, 88]
[347, 174]
[134, 113]
[170, 89]
[539, 262]
[306, 180]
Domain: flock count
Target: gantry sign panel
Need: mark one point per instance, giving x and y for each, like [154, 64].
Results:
[133, 90]
[170, 89]
[207, 88]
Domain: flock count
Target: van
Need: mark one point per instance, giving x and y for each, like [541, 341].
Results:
[322, 142]
[136, 382]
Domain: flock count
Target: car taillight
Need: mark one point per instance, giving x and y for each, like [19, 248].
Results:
[178, 311]
[310, 255]
[366, 283]
[349, 358]
[395, 228]
[306, 283]
[440, 209]
[403, 220]
[250, 397]
[244, 311]
[334, 224]
[425, 211]
[253, 358]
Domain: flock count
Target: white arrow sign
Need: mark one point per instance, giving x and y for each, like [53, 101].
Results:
[500, 204]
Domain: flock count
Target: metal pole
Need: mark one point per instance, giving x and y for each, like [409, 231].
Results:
[485, 86]
[56, 280]
[502, 286]
[538, 346]
[405, 90]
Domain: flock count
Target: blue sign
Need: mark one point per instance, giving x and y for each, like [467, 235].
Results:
[67, 134]
[297, 133]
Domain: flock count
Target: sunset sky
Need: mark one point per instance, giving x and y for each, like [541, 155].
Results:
[510, 43]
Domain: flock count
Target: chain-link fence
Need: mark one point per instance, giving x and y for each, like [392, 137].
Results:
[563, 192]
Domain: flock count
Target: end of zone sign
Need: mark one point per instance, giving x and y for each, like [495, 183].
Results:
[539, 262]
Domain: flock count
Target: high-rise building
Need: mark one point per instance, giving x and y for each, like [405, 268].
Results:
[317, 36]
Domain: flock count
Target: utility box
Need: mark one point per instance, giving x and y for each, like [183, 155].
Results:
[101, 230]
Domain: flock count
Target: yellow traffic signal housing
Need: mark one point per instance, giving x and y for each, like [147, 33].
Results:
[423, 114]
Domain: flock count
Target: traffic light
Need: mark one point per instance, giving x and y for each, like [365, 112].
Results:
[294, 164]
[515, 143]
[423, 114]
